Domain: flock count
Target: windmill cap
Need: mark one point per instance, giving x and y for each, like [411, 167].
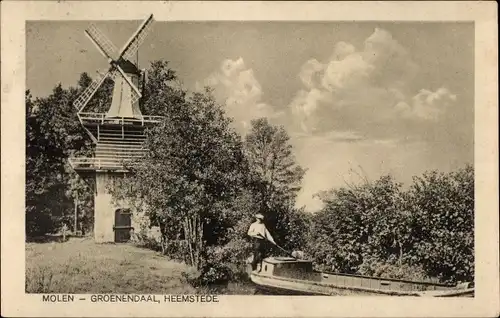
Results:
[259, 216]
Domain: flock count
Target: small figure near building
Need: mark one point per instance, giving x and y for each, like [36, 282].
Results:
[64, 231]
[260, 237]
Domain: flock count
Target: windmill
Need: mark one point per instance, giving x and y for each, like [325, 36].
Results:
[118, 133]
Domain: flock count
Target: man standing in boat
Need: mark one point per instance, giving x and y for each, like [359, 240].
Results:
[260, 235]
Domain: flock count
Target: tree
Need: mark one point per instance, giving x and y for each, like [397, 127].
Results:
[53, 134]
[443, 205]
[194, 163]
[196, 181]
[362, 223]
[43, 170]
[275, 178]
[101, 100]
[161, 90]
[276, 174]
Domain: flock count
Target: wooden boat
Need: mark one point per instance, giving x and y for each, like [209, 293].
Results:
[286, 275]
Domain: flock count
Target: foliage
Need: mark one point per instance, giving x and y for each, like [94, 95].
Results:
[193, 165]
[343, 230]
[101, 101]
[275, 172]
[443, 205]
[275, 180]
[42, 163]
[53, 133]
[372, 266]
[161, 90]
[215, 184]
[293, 227]
[377, 228]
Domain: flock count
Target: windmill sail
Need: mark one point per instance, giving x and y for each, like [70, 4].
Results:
[132, 45]
[84, 98]
[103, 44]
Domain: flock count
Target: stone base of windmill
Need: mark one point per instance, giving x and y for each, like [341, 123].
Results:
[113, 223]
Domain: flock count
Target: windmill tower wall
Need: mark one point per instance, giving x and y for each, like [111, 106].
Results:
[112, 222]
[103, 210]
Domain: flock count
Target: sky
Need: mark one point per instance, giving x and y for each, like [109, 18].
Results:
[357, 98]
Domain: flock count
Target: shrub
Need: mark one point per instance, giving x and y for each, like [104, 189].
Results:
[148, 238]
[391, 269]
[444, 208]
[379, 229]
[177, 249]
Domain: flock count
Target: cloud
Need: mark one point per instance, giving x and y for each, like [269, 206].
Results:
[361, 107]
[342, 50]
[366, 90]
[348, 73]
[305, 109]
[237, 87]
[308, 70]
[427, 105]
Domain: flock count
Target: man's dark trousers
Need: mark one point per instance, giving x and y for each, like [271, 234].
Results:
[259, 251]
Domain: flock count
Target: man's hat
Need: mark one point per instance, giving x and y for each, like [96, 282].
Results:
[259, 216]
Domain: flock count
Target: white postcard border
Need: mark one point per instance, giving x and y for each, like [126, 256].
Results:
[486, 302]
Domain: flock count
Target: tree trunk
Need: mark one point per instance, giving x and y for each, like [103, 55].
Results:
[193, 230]
[75, 225]
[199, 231]
[187, 235]
[400, 254]
[193, 241]
[163, 239]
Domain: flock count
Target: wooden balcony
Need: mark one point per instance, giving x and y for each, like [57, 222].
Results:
[97, 164]
[101, 119]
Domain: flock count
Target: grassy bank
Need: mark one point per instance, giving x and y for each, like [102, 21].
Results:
[83, 266]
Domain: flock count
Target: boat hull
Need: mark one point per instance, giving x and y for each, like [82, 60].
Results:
[284, 286]
[288, 276]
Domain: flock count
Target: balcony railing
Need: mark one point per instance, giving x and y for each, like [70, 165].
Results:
[100, 118]
[94, 163]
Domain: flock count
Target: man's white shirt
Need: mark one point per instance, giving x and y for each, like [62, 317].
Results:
[259, 230]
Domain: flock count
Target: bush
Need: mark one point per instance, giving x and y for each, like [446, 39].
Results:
[177, 249]
[390, 269]
[148, 238]
[444, 208]
[38, 222]
[379, 229]
[214, 269]
[222, 264]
